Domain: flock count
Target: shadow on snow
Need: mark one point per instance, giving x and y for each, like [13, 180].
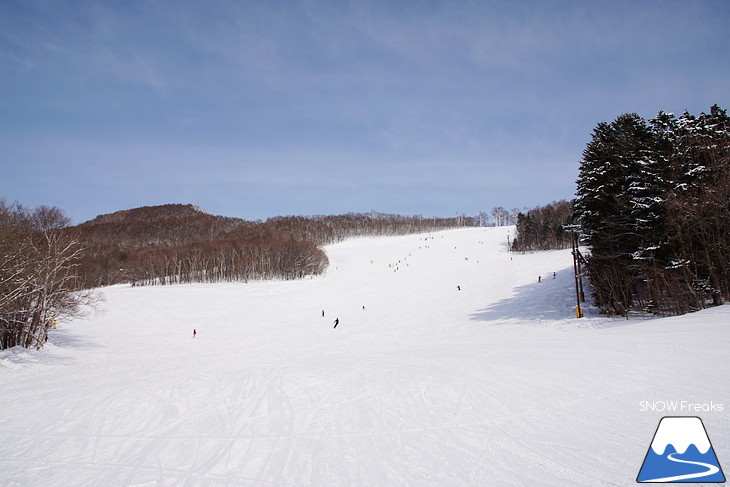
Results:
[552, 299]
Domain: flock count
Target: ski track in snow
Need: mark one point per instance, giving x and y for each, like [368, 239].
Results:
[495, 384]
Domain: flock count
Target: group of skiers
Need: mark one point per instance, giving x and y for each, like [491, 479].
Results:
[395, 267]
[337, 320]
[539, 278]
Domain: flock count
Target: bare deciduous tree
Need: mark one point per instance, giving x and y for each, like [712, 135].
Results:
[38, 274]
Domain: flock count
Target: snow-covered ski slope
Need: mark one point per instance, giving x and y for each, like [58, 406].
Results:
[494, 384]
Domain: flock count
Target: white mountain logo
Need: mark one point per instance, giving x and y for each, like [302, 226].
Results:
[681, 452]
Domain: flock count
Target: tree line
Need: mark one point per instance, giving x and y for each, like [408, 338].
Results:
[173, 244]
[48, 269]
[653, 200]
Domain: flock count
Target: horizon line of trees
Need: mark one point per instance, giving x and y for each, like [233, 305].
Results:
[182, 244]
[48, 269]
[172, 244]
[653, 200]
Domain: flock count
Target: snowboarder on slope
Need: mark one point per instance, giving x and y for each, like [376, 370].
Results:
[337, 322]
[194, 332]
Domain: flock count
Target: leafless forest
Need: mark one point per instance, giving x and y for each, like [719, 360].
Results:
[48, 269]
[39, 266]
[542, 228]
[181, 243]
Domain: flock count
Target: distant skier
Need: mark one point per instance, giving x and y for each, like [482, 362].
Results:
[322, 313]
[458, 288]
[337, 322]
[194, 332]
[539, 278]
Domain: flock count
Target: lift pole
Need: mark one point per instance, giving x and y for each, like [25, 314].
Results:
[576, 266]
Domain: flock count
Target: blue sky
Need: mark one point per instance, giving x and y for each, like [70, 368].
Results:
[262, 108]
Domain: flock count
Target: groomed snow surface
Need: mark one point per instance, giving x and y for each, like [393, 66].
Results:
[494, 384]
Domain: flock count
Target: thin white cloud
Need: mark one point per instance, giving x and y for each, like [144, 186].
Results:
[196, 96]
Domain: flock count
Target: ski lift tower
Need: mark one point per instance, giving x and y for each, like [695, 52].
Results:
[579, 296]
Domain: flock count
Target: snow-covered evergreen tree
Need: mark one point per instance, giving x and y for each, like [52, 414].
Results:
[612, 176]
[654, 202]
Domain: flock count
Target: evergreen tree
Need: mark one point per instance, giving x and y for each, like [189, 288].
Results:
[654, 203]
[614, 169]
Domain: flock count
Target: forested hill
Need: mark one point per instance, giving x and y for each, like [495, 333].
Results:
[164, 225]
[183, 243]
[148, 214]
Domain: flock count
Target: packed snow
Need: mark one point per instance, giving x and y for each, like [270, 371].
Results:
[451, 365]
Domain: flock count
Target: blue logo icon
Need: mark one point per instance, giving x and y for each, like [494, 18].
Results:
[681, 452]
